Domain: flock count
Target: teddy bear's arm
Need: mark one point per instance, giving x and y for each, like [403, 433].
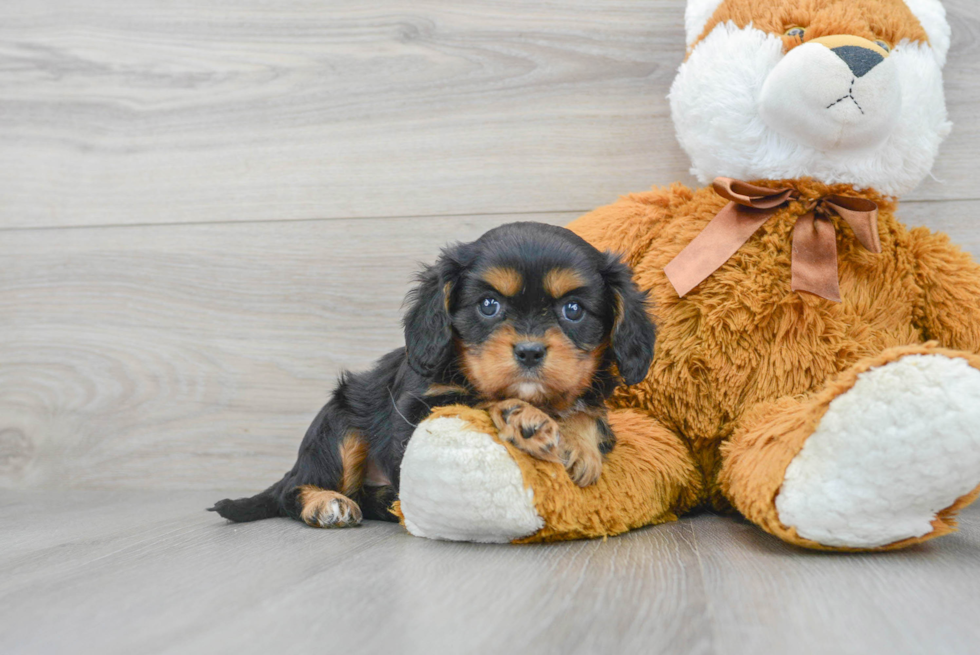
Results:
[950, 282]
[628, 225]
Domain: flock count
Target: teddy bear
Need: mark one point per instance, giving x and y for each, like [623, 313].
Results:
[816, 367]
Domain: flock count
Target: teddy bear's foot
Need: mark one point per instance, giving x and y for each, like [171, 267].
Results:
[460, 482]
[890, 454]
[881, 458]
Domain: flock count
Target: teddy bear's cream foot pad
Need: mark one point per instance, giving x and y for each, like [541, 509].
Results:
[459, 484]
[888, 456]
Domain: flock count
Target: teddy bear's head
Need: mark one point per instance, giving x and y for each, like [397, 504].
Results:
[844, 91]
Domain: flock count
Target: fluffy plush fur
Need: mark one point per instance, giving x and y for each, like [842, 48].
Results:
[743, 341]
[497, 495]
[848, 425]
[529, 322]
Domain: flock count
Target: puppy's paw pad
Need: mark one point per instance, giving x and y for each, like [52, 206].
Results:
[540, 440]
[527, 428]
[328, 509]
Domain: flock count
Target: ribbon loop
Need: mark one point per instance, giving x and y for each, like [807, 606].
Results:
[862, 215]
[750, 195]
[814, 263]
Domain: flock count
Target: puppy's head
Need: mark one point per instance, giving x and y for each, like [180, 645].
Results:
[529, 311]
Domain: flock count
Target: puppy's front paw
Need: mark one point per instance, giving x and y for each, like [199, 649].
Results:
[527, 428]
[584, 465]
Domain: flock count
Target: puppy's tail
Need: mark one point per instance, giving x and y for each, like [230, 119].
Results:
[261, 506]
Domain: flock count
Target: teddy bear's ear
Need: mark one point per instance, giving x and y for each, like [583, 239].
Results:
[932, 17]
[696, 16]
[633, 334]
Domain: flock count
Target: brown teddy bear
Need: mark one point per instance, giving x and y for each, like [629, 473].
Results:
[817, 362]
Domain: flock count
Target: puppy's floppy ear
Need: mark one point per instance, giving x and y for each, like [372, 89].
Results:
[633, 334]
[428, 324]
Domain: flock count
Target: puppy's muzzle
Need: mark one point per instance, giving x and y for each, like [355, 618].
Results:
[530, 354]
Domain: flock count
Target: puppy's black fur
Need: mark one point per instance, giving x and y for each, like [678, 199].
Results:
[525, 286]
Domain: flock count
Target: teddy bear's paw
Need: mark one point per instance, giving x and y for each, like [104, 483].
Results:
[890, 454]
[457, 483]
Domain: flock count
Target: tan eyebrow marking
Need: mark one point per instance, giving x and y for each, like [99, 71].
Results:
[505, 280]
[559, 281]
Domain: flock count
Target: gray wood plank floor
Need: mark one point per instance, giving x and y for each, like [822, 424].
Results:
[138, 572]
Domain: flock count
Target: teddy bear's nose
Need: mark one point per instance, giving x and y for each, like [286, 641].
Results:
[859, 60]
[860, 54]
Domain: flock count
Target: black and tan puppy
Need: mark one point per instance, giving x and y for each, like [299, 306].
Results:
[529, 321]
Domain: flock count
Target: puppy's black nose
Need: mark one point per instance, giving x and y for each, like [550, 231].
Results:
[530, 353]
[859, 60]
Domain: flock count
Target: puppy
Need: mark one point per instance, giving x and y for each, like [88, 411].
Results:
[529, 322]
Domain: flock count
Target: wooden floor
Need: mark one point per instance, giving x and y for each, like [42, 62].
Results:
[137, 572]
[209, 209]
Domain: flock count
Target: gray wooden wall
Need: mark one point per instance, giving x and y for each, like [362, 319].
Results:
[207, 209]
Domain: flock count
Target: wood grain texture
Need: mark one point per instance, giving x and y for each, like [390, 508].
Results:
[195, 356]
[137, 572]
[140, 111]
[114, 573]
[769, 597]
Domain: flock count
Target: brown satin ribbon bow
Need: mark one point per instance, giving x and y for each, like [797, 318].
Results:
[814, 263]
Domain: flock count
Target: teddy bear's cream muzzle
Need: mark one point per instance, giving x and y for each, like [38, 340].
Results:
[834, 93]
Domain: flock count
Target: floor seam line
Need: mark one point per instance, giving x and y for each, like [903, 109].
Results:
[533, 212]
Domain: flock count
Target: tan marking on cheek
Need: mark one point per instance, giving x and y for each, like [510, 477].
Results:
[507, 281]
[560, 281]
[889, 20]
[490, 366]
[568, 371]
[353, 455]
[566, 374]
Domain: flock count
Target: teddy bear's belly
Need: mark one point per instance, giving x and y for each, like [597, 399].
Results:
[718, 354]
[700, 386]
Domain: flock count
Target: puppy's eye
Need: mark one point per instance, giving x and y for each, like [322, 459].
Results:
[489, 307]
[883, 45]
[572, 311]
[798, 32]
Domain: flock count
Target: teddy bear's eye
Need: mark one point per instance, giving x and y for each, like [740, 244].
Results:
[883, 45]
[798, 32]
